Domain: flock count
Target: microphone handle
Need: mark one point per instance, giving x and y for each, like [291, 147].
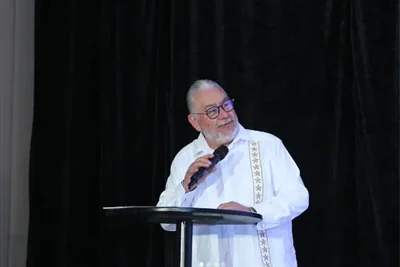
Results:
[202, 172]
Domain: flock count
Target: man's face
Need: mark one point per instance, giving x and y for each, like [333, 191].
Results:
[223, 128]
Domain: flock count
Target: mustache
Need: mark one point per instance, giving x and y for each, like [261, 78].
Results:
[226, 121]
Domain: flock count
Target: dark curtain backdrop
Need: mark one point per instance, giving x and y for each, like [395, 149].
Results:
[110, 115]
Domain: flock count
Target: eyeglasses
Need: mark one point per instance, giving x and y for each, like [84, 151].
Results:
[213, 112]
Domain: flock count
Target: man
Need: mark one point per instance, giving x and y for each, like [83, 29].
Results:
[257, 175]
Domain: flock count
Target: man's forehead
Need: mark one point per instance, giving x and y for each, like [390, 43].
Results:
[217, 102]
[211, 97]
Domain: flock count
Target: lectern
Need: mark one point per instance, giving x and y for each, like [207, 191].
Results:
[184, 219]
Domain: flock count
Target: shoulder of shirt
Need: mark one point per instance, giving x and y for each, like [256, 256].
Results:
[185, 152]
[260, 136]
[268, 142]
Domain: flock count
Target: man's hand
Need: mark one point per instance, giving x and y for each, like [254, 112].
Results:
[233, 206]
[194, 167]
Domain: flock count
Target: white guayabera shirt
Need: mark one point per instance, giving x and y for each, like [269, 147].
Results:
[284, 197]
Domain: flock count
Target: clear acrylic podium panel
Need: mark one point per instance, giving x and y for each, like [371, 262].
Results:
[184, 218]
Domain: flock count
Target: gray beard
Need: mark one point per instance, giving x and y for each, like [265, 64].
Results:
[221, 139]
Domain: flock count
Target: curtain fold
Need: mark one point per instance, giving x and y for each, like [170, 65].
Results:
[110, 115]
[376, 125]
[16, 108]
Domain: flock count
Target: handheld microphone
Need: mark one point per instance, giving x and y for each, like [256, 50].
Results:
[219, 154]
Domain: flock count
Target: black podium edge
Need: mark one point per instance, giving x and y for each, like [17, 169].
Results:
[116, 210]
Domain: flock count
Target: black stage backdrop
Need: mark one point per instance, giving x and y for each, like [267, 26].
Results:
[110, 115]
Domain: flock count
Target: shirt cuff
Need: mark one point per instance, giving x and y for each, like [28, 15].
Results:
[186, 198]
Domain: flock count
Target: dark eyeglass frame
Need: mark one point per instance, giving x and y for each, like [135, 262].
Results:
[217, 108]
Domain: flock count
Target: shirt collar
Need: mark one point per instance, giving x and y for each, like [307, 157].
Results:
[201, 145]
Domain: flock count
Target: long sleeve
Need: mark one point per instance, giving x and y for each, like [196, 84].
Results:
[174, 194]
[291, 198]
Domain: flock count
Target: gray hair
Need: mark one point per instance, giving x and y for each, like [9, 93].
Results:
[199, 85]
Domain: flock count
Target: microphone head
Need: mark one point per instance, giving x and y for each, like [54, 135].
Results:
[221, 152]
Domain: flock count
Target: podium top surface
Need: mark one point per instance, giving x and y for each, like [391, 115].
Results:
[179, 214]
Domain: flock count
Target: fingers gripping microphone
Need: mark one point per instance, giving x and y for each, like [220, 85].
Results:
[219, 154]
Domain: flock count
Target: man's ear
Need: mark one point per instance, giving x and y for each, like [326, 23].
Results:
[193, 121]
